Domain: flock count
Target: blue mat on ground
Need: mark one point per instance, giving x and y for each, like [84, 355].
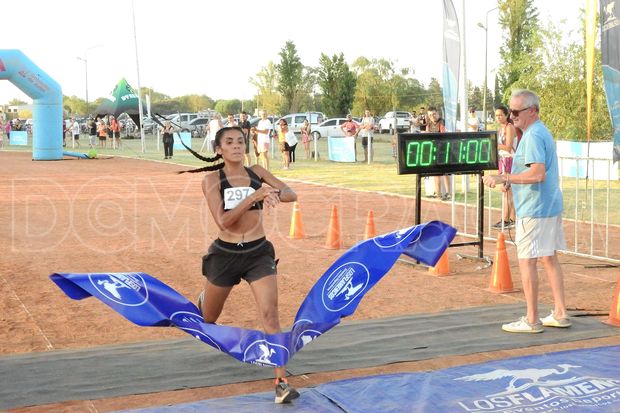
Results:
[578, 381]
[110, 371]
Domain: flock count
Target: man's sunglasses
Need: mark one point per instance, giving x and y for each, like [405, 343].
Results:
[515, 112]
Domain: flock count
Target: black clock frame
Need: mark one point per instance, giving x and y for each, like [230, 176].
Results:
[466, 152]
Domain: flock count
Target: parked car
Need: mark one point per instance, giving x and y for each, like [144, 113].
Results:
[182, 120]
[395, 121]
[197, 126]
[296, 120]
[331, 127]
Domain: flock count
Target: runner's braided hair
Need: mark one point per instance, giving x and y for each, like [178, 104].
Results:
[218, 139]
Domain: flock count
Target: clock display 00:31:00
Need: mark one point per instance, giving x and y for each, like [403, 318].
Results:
[475, 151]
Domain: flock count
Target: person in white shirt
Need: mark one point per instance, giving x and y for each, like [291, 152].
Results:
[368, 124]
[74, 126]
[213, 126]
[263, 129]
[230, 121]
[473, 123]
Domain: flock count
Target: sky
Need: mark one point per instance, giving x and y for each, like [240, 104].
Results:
[202, 47]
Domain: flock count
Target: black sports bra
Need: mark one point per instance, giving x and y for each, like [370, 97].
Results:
[232, 196]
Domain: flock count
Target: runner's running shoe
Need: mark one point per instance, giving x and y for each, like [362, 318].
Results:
[284, 392]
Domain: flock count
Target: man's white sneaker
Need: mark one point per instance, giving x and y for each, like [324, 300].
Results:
[552, 321]
[522, 326]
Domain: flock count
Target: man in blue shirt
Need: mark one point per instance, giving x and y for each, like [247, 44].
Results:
[538, 203]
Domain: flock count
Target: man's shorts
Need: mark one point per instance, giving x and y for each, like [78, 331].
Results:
[365, 140]
[539, 237]
[227, 263]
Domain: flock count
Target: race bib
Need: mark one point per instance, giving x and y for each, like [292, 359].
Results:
[233, 196]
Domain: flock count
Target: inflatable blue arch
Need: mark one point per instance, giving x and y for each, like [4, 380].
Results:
[46, 95]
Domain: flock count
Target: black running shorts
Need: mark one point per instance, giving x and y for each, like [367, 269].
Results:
[227, 263]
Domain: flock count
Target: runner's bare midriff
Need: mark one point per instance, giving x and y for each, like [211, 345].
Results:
[248, 228]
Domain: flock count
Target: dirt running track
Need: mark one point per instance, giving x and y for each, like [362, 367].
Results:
[120, 215]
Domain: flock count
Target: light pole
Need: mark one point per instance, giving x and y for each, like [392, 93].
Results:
[485, 27]
[85, 60]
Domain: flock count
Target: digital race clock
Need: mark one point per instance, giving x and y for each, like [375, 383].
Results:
[442, 153]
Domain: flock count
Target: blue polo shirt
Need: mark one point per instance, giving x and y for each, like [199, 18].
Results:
[543, 199]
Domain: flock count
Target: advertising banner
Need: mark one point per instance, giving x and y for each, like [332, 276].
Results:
[341, 149]
[186, 137]
[451, 64]
[610, 56]
[19, 137]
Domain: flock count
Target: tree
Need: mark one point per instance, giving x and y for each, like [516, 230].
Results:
[228, 106]
[290, 76]
[434, 97]
[266, 82]
[73, 105]
[195, 103]
[337, 83]
[381, 87]
[561, 83]
[369, 87]
[519, 19]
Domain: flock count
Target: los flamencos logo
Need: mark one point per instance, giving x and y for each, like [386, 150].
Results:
[543, 390]
[128, 289]
[344, 284]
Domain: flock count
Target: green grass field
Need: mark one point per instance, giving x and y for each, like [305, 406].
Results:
[382, 175]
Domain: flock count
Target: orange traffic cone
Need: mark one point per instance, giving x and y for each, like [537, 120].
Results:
[370, 231]
[333, 241]
[297, 226]
[501, 278]
[443, 265]
[614, 312]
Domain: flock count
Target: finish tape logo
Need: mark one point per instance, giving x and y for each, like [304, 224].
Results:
[344, 284]
[123, 288]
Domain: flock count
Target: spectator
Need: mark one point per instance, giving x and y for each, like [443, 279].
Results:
[74, 130]
[368, 125]
[283, 138]
[102, 132]
[350, 128]
[435, 124]
[473, 123]
[422, 119]
[305, 137]
[244, 124]
[413, 124]
[263, 129]
[214, 125]
[92, 133]
[115, 132]
[168, 139]
[539, 205]
[8, 128]
[506, 146]
[230, 121]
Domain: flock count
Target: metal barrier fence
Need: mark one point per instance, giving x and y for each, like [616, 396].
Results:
[591, 210]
